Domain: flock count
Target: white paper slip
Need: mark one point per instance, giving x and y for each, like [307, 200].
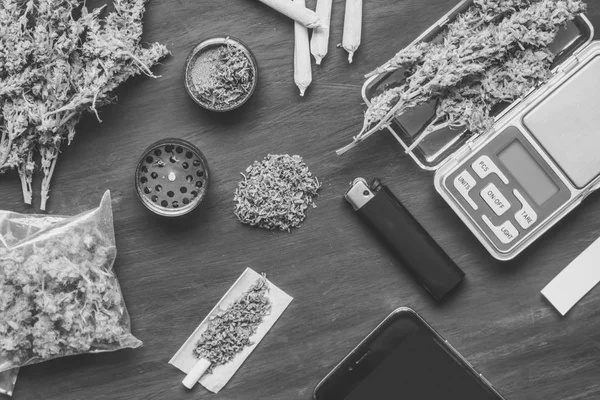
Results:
[185, 360]
[573, 282]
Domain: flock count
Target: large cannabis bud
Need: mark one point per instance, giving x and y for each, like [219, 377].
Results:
[58, 60]
[491, 34]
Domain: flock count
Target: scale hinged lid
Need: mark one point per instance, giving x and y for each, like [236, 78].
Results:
[447, 143]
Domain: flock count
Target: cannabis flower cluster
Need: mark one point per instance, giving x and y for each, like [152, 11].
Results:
[58, 60]
[496, 51]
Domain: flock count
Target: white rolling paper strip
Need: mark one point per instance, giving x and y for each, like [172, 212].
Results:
[573, 282]
[185, 360]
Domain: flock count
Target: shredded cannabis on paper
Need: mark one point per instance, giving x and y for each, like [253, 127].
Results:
[59, 297]
[58, 59]
[275, 193]
[484, 37]
[223, 76]
[229, 332]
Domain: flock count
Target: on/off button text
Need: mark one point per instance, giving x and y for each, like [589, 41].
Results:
[495, 199]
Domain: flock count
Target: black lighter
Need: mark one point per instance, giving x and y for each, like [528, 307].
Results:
[408, 240]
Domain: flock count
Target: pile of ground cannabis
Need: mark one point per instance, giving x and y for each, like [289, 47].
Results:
[494, 52]
[275, 193]
[229, 332]
[57, 60]
[223, 76]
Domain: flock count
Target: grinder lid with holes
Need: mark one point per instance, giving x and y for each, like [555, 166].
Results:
[171, 177]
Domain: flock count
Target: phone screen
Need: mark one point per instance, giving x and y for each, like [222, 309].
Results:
[404, 359]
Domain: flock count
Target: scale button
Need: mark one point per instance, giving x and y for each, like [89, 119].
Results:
[495, 199]
[483, 167]
[525, 216]
[506, 232]
[464, 182]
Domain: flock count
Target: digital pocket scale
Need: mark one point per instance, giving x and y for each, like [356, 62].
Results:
[538, 162]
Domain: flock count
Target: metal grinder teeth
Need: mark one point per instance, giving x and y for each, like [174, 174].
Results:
[172, 177]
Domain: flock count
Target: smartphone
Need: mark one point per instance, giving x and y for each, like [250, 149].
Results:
[404, 358]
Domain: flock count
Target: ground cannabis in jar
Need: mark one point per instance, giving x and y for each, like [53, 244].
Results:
[223, 76]
[230, 331]
[275, 193]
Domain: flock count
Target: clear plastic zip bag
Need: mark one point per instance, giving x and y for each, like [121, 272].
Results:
[8, 380]
[59, 295]
[15, 228]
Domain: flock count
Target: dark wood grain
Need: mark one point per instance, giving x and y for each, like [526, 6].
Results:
[342, 279]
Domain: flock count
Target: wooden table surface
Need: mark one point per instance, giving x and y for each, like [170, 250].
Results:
[342, 279]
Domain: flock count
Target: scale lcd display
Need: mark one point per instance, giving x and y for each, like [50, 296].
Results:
[527, 172]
